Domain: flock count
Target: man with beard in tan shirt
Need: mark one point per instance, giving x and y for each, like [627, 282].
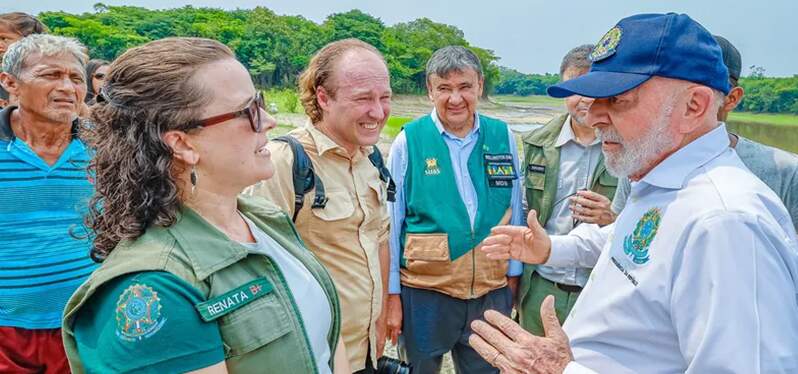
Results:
[346, 93]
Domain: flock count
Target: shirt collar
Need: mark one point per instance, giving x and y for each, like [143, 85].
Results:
[567, 135]
[443, 131]
[673, 171]
[211, 249]
[5, 123]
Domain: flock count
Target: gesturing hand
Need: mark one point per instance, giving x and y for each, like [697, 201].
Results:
[527, 244]
[511, 349]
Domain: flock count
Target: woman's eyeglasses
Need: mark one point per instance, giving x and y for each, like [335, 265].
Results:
[251, 111]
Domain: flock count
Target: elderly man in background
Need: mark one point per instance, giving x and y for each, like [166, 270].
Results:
[45, 191]
[346, 93]
[456, 178]
[701, 243]
[563, 159]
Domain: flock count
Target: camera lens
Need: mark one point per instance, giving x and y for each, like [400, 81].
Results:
[387, 365]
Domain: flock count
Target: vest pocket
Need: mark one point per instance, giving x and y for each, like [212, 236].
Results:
[427, 254]
[254, 325]
[535, 181]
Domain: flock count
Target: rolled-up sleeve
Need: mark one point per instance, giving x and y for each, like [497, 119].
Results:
[397, 165]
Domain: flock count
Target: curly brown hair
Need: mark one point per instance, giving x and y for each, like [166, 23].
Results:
[148, 92]
[319, 73]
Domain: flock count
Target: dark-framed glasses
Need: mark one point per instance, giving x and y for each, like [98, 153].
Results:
[252, 111]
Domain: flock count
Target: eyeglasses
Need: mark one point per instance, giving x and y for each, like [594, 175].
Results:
[252, 111]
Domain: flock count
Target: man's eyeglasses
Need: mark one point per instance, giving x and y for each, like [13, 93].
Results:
[251, 111]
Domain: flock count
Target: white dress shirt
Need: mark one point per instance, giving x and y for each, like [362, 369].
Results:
[715, 288]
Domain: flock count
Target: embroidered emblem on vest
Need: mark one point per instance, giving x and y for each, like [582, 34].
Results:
[607, 45]
[138, 313]
[233, 299]
[635, 246]
[500, 169]
[432, 166]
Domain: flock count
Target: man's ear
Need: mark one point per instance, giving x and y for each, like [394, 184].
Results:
[182, 147]
[481, 86]
[323, 98]
[10, 83]
[699, 102]
[733, 99]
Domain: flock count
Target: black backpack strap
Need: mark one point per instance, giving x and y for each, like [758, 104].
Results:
[304, 177]
[376, 159]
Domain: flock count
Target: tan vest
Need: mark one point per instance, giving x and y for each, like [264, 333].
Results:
[261, 336]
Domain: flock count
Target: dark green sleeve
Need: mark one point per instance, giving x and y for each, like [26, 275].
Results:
[146, 322]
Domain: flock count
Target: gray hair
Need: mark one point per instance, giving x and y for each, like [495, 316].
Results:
[44, 45]
[453, 58]
[577, 58]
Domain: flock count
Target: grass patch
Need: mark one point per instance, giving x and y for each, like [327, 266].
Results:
[530, 100]
[287, 100]
[394, 125]
[765, 118]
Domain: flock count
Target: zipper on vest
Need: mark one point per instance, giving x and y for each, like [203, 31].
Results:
[298, 316]
[473, 264]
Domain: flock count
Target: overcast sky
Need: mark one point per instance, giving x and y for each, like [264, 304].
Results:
[532, 35]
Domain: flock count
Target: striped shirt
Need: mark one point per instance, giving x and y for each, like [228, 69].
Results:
[41, 208]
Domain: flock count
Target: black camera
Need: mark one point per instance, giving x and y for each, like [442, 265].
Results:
[387, 365]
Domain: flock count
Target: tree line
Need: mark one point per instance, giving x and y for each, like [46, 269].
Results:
[274, 48]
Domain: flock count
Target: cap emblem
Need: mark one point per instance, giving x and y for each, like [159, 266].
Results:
[606, 46]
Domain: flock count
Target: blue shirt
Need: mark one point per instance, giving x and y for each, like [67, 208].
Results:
[704, 258]
[41, 206]
[459, 151]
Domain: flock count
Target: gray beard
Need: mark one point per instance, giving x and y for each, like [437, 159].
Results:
[635, 155]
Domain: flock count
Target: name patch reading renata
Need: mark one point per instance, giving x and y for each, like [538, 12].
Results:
[234, 299]
[500, 170]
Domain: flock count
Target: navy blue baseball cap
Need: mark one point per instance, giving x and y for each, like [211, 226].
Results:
[647, 45]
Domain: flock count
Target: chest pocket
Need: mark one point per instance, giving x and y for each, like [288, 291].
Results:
[254, 325]
[535, 180]
[339, 206]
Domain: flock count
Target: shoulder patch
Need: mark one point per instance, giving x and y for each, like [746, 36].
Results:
[138, 313]
[607, 45]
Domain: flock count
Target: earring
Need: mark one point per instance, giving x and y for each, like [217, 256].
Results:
[193, 177]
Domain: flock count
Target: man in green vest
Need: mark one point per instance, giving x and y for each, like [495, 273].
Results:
[456, 174]
[566, 183]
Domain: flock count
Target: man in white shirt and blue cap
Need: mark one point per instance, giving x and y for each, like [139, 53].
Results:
[699, 274]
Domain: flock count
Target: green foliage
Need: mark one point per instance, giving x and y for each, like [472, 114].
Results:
[287, 100]
[512, 82]
[394, 125]
[769, 95]
[274, 48]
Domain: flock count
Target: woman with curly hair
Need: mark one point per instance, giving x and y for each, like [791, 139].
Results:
[193, 277]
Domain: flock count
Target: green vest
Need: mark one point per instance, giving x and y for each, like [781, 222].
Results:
[433, 202]
[266, 334]
[542, 163]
